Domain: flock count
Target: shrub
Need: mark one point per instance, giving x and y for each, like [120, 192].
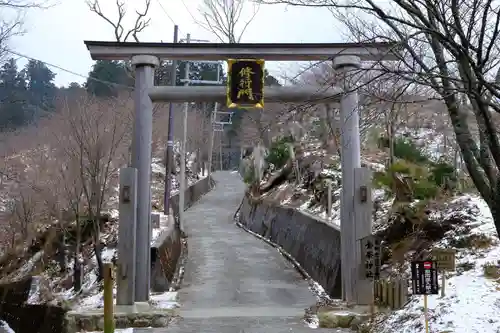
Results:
[407, 150]
[472, 241]
[424, 189]
[401, 167]
[443, 174]
[382, 180]
[279, 152]
[491, 270]
[249, 177]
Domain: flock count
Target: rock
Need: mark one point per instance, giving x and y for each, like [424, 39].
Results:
[132, 317]
[100, 324]
[358, 320]
[333, 319]
[87, 324]
[122, 322]
[344, 320]
[327, 321]
[70, 324]
[159, 321]
[141, 322]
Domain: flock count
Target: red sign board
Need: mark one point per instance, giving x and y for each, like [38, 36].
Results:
[427, 265]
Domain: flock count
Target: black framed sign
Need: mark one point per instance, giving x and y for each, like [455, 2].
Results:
[245, 84]
[424, 277]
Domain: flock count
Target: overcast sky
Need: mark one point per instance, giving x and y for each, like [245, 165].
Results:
[56, 35]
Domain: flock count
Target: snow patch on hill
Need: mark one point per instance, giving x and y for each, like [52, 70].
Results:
[472, 299]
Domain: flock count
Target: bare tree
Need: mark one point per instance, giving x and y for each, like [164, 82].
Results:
[451, 47]
[94, 137]
[73, 194]
[261, 125]
[121, 33]
[224, 19]
[30, 201]
[11, 22]
[197, 136]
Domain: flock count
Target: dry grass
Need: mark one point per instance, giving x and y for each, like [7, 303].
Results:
[474, 242]
[491, 271]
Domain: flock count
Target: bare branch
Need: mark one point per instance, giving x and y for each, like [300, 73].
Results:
[450, 47]
[141, 21]
[223, 17]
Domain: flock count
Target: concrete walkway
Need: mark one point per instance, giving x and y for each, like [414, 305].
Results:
[233, 281]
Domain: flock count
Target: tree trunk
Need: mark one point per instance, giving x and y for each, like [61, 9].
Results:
[97, 245]
[77, 270]
[495, 207]
[390, 135]
[98, 256]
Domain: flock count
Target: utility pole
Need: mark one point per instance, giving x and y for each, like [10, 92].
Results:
[182, 188]
[186, 82]
[217, 126]
[169, 155]
[220, 148]
[211, 139]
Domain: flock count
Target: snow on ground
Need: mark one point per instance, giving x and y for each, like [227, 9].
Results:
[118, 330]
[5, 328]
[93, 296]
[156, 232]
[472, 300]
[166, 300]
[319, 211]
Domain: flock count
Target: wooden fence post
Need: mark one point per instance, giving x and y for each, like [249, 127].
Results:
[109, 324]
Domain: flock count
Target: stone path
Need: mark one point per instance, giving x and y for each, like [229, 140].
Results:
[233, 281]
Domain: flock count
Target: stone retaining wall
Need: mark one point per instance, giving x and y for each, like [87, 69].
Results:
[313, 243]
[193, 193]
[166, 250]
[22, 317]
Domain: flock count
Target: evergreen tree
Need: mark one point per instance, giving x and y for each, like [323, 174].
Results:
[40, 87]
[13, 93]
[270, 80]
[113, 71]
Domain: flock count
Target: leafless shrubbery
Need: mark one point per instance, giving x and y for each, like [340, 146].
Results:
[66, 169]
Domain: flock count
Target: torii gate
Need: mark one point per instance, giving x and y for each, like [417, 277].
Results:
[146, 56]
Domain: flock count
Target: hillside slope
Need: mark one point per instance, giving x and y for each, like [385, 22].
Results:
[50, 258]
[456, 219]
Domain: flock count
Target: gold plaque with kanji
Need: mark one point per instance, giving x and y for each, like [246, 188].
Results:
[245, 84]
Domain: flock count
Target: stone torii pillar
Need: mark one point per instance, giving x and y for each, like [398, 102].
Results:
[355, 289]
[141, 160]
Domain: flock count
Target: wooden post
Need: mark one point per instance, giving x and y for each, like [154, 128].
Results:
[109, 324]
[390, 294]
[384, 292]
[443, 283]
[329, 197]
[426, 315]
[397, 294]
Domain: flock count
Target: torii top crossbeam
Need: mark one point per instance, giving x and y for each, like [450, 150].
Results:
[218, 51]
